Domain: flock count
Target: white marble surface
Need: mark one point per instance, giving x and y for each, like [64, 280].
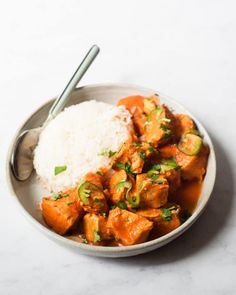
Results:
[186, 49]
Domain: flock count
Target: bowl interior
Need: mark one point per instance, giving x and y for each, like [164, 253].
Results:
[29, 193]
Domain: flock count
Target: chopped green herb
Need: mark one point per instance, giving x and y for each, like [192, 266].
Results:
[152, 172]
[107, 153]
[100, 173]
[83, 239]
[157, 111]
[122, 205]
[152, 149]
[165, 165]
[166, 214]
[171, 163]
[123, 184]
[55, 197]
[154, 177]
[96, 200]
[59, 169]
[185, 216]
[142, 155]
[137, 144]
[155, 168]
[70, 202]
[126, 167]
[97, 237]
[64, 195]
[165, 120]
[167, 131]
[157, 180]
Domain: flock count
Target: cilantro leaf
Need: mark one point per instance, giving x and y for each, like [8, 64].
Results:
[167, 131]
[107, 153]
[100, 173]
[97, 237]
[166, 214]
[55, 197]
[59, 169]
[142, 155]
[137, 144]
[122, 205]
[123, 184]
[125, 166]
[70, 202]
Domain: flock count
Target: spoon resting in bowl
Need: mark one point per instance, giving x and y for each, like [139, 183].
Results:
[23, 150]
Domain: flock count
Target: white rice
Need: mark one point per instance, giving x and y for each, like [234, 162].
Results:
[75, 138]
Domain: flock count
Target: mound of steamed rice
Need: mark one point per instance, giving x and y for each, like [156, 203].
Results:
[75, 140]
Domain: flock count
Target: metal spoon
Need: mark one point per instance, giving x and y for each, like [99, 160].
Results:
[22, 155]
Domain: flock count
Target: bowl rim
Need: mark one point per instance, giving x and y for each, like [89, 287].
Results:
[111, 249]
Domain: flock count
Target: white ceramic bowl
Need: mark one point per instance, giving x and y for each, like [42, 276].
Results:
[28, 194]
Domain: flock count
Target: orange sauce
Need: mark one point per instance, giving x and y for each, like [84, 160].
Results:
[187, 195]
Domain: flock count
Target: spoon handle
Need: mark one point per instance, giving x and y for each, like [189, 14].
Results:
[63, 98]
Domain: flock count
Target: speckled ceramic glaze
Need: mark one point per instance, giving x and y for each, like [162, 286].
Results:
[28, 194]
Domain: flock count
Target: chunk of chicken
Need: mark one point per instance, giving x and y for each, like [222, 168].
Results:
[182, 124]
[62, 214]
[152, 193]
[150, 103]
[173, 177]
[163, 221]
[131, 155]
[159, 126]
[193, 167]
[168, 151]
[91, 194]
[94, 178]
[134, 104]
[127, 227]
[95, 228]
[139, 107]
[118, 186]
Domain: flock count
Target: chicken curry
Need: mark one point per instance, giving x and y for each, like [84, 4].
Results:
[150, 190]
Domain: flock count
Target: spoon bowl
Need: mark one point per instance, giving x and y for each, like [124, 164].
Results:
[22, 155]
